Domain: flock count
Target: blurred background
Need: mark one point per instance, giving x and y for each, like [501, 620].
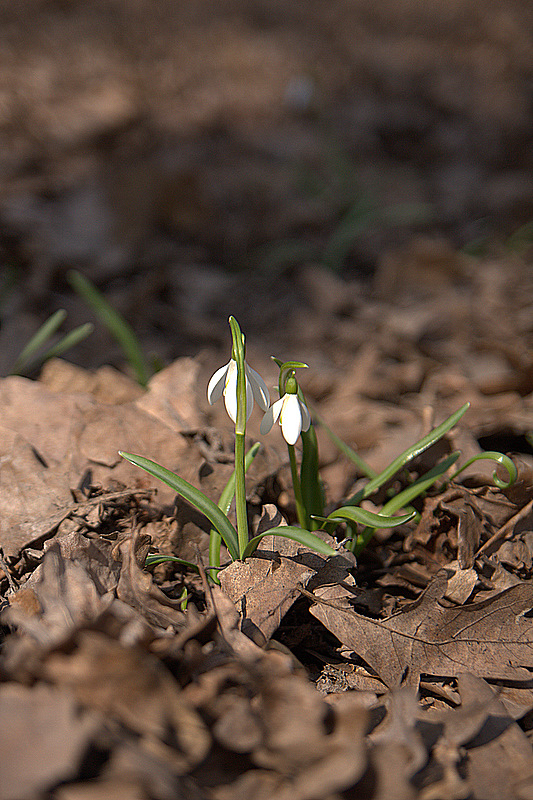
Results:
[275, 160]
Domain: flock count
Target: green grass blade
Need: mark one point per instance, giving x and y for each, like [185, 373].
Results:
[296, 534]
[404, 458]
[68, 341]
[421, 485]
[367, 518]
[502, 459]
[161, 558]
[37, 341]
[113, 321]
[354, 457]
[193, 496]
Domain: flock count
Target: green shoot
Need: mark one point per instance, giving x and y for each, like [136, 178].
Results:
[32, 354]
[114, 322]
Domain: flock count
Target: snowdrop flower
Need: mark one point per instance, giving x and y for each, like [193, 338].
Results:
[293, 417]
[224, 382]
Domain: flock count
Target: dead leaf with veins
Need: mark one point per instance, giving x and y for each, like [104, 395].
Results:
[491, 639]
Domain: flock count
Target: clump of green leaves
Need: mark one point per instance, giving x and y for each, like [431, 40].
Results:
[42, 347]
[239, 384]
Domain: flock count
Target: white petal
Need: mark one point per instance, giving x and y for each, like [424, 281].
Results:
[270, 417]
[306, 418]
[217, 383]
[249, 398]
[291, 418]
[230, 391]
[259, 388]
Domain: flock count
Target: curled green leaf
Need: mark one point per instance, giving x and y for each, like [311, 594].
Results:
[492, 455]
[421, 485]
[193, 496]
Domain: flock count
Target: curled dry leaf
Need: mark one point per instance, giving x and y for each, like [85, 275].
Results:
[136, 587]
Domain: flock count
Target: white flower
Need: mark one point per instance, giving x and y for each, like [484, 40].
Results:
[224, 382]
[293, 417]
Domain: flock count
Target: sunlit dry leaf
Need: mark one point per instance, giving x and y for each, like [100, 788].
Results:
[265, 586]
[34, 497]
[492, 639]
[67, 597]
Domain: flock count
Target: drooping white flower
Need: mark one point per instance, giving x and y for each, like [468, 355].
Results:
[293, 417]
[224, 382]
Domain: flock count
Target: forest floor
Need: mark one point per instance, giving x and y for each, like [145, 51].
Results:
[353, 183]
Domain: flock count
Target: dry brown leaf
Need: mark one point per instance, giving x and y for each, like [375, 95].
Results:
[132, 686]
[500, 753]
[31, 759]
[67, 596]
[34, 497]
[491, 639]
[296, 743]
[266, 585]
[136, 586]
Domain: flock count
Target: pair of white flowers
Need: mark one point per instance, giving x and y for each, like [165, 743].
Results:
[290, 410]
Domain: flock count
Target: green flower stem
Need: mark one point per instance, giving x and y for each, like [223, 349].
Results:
[240, 493]
[297, 487]
[240, 433]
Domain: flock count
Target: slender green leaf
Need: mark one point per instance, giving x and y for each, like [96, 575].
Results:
[300, 535]
[421, 485]
[161, 558]
[38, 340]
[68, 341]
[354, 457]
[114, 322]
[404, 498]
[491, 455]
[193, 496]
[364, 517]
[312, 491]
[404, 458]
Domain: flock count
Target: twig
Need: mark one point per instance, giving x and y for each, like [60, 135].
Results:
[506, 528]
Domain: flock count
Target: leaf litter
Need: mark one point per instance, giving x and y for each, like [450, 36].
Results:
[407, 675]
